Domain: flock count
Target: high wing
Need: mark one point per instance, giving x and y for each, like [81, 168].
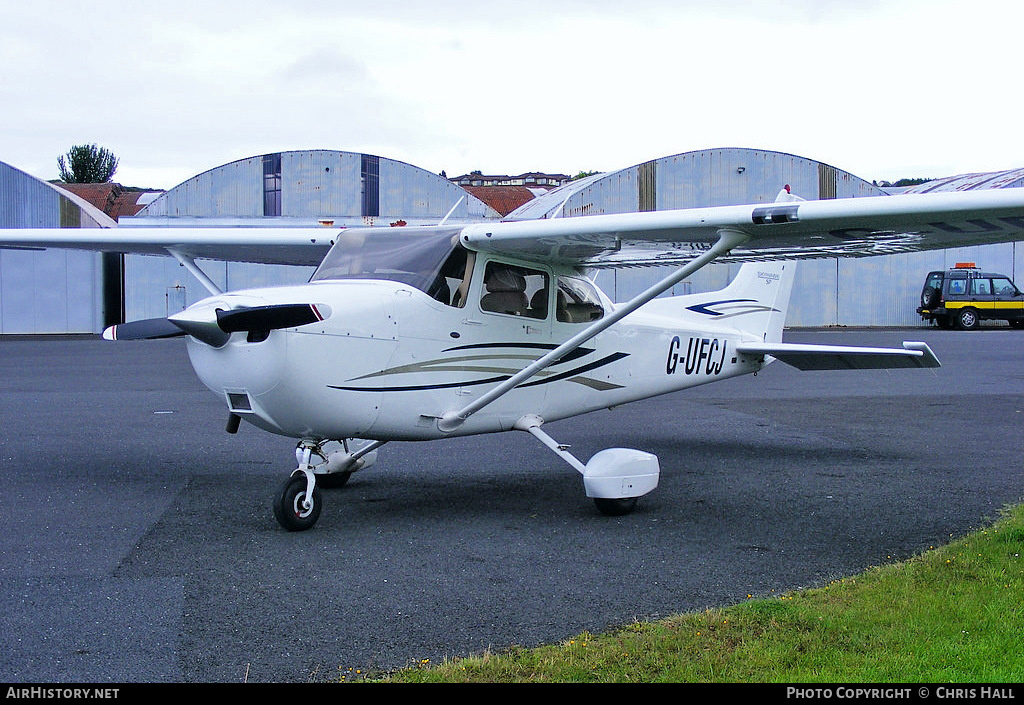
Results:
[301, 246]
[850, 227]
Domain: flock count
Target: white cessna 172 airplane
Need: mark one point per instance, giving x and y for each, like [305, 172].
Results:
[426, 332]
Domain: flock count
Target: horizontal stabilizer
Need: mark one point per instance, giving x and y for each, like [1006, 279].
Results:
[838, 357]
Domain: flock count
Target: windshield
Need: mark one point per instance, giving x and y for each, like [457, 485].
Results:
[408, 255]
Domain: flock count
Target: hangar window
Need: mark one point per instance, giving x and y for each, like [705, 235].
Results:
[370, 175]
[272, 184]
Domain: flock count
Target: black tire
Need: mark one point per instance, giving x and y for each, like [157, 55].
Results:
[288, 505]
[967, 319]
[929, 297]
[615, 507]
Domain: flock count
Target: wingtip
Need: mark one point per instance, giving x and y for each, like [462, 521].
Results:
[927, 356]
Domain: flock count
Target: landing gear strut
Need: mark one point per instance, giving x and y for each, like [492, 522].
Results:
[615, 478]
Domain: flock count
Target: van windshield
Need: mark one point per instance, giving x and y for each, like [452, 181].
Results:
[409, 255]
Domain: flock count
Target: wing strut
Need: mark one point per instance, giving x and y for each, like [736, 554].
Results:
[727, 240]
[449, 214]
[189, 263]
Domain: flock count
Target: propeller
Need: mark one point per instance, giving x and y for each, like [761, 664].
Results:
[147, 329]
[215, 329]
[257, 318]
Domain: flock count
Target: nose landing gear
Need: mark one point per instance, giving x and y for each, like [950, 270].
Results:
[299, 501]
[296, 507]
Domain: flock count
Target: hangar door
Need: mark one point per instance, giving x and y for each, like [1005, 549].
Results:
[52, 291]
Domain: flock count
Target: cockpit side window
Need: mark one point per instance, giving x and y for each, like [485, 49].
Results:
[452, 280]
[515, 290]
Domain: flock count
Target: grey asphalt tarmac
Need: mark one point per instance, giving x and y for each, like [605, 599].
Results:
[137, 542]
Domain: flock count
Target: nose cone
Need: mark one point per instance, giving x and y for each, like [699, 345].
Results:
[240, 373]
[237, 348]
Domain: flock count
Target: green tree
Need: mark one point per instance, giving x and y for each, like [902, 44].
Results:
[87, 164]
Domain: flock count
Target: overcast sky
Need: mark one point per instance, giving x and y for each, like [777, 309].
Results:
[882, 89]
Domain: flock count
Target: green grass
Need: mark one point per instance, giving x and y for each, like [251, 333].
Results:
[952, 614]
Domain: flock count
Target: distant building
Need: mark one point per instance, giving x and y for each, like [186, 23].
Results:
[506, 193]
[532, 179]
[504, 199]
[112, 199]
[310, 187]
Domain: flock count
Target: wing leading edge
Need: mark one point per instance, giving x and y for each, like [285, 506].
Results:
[301, 246]
[851, 227]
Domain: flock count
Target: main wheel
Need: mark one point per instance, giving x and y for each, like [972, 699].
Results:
[967, 319]
[615, 507]
[288, 505]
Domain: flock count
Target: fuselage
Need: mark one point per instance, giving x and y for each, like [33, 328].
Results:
[390, 360]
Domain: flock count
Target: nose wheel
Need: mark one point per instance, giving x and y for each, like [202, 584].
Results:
[298, 503]
[296, 507]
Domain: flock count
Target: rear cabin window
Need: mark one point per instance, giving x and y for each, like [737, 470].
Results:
[515, 291]
[981, 287]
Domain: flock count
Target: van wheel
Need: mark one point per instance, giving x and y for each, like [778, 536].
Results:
[967, 319]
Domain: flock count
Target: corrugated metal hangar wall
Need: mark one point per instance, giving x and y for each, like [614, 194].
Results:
[51, 291]
[58, 292]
